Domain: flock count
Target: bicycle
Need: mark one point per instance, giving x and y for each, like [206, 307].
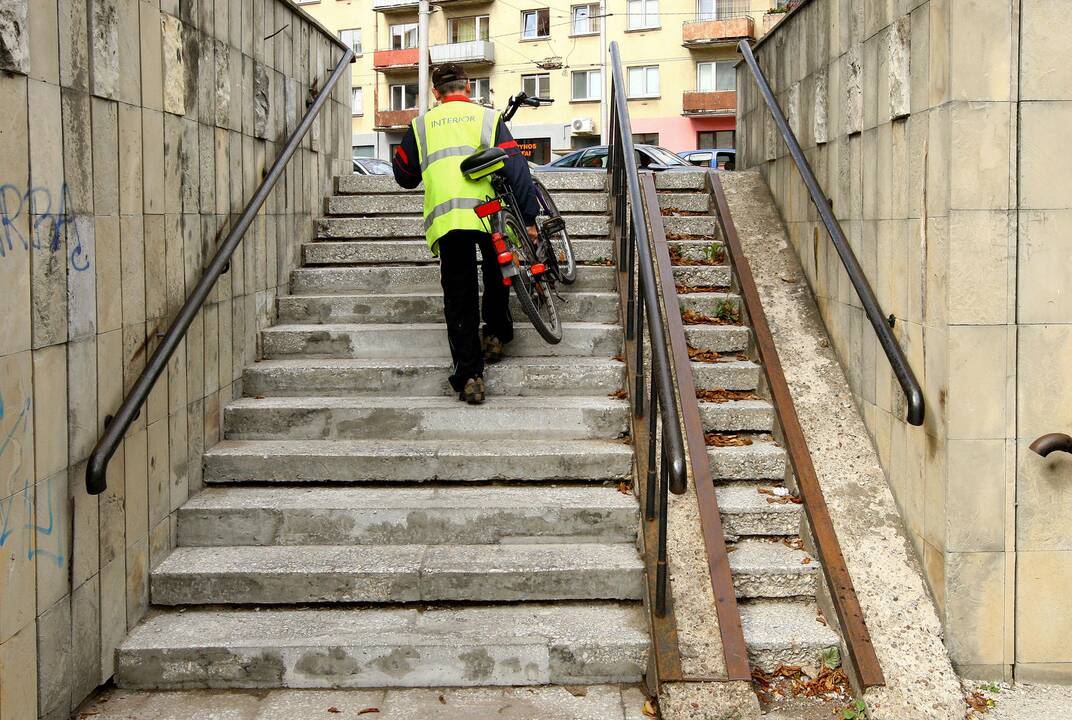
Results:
[550, 221]
[531, 269]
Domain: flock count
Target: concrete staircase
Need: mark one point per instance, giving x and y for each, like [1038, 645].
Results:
[776, 581]
[364, 528]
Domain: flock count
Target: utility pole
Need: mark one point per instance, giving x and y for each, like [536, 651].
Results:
[423, 12]
[603, 80]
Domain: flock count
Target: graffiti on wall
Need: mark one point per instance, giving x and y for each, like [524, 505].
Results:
[47, 217]
[42, 540]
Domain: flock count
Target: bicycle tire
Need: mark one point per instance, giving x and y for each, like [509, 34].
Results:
[531, 294]
[560, 242]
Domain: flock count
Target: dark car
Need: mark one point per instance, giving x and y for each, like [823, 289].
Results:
[721, 158]
[372, 166]
[649, 157]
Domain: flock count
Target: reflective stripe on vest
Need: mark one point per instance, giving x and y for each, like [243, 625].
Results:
[446, 135]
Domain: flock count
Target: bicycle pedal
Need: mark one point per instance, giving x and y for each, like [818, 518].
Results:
[553, 226]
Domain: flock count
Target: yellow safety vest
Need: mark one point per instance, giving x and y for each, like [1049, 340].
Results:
[446, 135]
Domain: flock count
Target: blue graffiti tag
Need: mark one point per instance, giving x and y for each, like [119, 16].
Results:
[46, 229]
[30, 528]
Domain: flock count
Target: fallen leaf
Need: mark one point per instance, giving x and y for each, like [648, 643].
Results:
[619, 394]
[806, 561]
[442, 700]
[334, 709]
[979, 702]
[721, 395]
[577, 690]
[649, 709]
[715, 439]
[366, 711]
[623, 488]
[705, 356]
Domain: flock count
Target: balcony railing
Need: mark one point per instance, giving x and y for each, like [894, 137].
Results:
[395, 59]
[393, 5]
[717, 31]
[723, 102]
[394, 119]
[474, 51]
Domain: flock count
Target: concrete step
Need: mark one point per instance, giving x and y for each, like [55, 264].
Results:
[748, 512]
[395, 204]
[728, 339]
[280, 574]
[353, 515]
[681, 180]
[575, 180]
[694, 180]
[426, 307]
[772, 569]
[537, 376]
[428, 340]
[413, 279]
[415, 250]
[435, 418]
[784, 632]
[412, 226]
[737, 416]
[712, 304]
[691, 226]
[762, 460]
[529, 644]
[590, 702]
[396, 461]
[356, 184]
[692, 276]
[732, 375]
[685, 202]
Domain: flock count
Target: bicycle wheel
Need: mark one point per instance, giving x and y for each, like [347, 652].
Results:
[560, 242]
[533, 294]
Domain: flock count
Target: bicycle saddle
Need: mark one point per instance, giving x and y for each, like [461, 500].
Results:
[483, 162]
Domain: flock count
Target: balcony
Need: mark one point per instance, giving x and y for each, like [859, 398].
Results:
[712, 33]
[387, 6]
[388, 60]
[394, 119]
[477, 52]
[709, 103]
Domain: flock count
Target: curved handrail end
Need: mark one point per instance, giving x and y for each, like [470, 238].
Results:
[97, 473]
[679, 476]
[917, 406]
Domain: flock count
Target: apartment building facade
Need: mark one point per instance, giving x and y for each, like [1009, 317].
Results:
[679, 57]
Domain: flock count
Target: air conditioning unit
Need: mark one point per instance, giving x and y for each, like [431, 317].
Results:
[583, 126]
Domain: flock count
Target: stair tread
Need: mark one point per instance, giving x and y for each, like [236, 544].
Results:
[416, 403]
[360, 295]
[745, 497]
[429, 362]
[460, 448]
[775, 624]
[294, 626]
[394, 327]
[298, 560]
[765, 557]
[421, 498]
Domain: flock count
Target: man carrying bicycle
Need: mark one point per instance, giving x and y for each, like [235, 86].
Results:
[432, 150]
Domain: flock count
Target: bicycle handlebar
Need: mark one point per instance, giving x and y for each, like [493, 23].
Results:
[520, 99]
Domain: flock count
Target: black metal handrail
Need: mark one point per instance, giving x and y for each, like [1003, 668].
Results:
[116, 427]
[629, 235]
[901, 369]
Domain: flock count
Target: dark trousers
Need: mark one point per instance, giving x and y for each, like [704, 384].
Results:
[462, 305]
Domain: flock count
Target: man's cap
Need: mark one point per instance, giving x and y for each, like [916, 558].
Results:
[447, 73]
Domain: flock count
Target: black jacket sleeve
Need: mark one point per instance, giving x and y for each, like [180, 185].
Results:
[405, 163]
[517, 172]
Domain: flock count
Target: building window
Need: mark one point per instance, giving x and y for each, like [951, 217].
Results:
[467, 29]
[721, 9]
[364, 151]
[646, 138]
[357, 101]
[643, 81]
[642, 14]
[587, 85]
[716, 76]
[480, 90]
[535, 24]
[404, 97]
[404, 36]
[536, 85]
[352, 38]
[585, 19]
[711, 139]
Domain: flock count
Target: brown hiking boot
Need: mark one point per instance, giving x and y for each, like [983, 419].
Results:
[493, 349]
[473, 393]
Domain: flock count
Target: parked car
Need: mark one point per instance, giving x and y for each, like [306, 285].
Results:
[372, 166]
[649, 157]
[721, 158]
